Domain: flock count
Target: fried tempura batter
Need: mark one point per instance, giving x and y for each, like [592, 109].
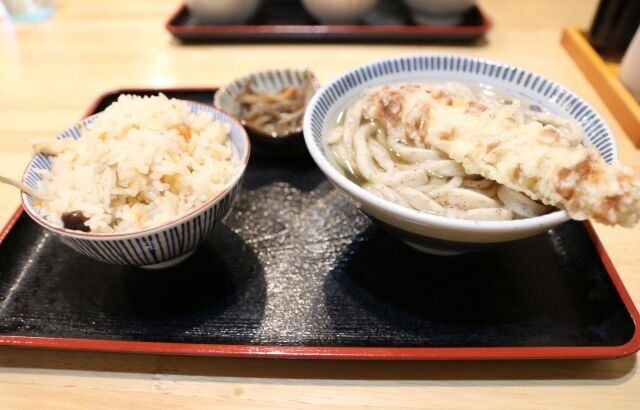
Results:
[533, 153]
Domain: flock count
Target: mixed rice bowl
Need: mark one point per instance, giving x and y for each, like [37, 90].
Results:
[142, 162]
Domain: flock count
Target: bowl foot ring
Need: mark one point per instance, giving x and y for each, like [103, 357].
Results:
[169, 263]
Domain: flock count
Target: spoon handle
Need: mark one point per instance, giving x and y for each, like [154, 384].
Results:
[23, 187]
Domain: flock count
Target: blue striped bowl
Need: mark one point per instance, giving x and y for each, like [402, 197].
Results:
[158, 247]
[424, 231]
[270, 80]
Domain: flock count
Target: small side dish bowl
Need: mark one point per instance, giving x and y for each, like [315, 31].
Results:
[160, 246]
[338, 11]
[226, 99]
[429, 232]
[223, 11]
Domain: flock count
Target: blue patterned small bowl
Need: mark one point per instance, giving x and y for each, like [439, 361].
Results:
[269, 80]
[154, 248]
[423, 231]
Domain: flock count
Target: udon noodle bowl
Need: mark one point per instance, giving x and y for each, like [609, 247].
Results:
[410, 172]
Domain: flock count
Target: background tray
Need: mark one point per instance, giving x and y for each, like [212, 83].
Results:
[286, 20]
[297, 271]
[603, 75]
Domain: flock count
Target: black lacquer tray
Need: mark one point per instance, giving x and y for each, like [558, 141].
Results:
[287, 20]
[297, 271]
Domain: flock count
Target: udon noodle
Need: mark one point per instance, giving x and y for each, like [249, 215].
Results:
[411, 173]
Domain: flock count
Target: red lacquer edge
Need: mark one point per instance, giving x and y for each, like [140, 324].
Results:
[354, 353]
[324, 29]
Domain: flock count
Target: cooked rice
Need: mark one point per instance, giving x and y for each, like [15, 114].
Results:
[142, 162]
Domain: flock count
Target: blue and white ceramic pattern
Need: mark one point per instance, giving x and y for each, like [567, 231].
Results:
[270, 80]
[424, 231]
[158, 247]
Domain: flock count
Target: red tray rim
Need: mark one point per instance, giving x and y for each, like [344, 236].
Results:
[320, 352]
[320, 29]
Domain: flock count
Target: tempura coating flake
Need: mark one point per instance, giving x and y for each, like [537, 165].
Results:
[531, 153]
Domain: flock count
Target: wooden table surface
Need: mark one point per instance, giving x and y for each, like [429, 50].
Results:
[50, 72]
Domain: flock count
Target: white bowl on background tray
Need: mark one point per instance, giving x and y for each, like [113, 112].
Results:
[429, 232]
[223, 11]
[338, 11]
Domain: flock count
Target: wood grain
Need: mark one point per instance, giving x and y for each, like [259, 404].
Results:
[604, 78]
[50, 72]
